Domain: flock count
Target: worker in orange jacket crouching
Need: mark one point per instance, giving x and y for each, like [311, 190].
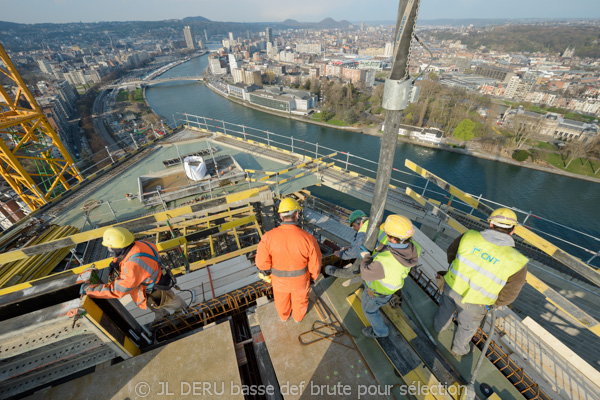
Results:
[293, 257]
[136, 271]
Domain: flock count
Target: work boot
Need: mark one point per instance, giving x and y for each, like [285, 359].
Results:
[349, 272]
[368, 332]
[396, 300]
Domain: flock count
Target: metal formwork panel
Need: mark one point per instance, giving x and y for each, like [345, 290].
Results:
[24, 363]
[42, 346]
[56, 370]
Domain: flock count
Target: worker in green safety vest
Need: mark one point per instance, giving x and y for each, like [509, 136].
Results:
[485, 271]
[384, 271]
[359, 221]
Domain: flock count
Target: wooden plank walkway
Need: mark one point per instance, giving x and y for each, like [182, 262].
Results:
[323, 370]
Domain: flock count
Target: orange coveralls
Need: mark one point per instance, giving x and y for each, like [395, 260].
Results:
[294, 257]
[139, 268]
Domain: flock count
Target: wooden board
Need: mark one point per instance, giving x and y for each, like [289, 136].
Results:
[406, 362]
[199, 366]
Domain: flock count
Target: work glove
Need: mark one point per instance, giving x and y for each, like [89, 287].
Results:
[113, 265]
[491, 306]
[83, 288]
[265, 277]
[367, 257]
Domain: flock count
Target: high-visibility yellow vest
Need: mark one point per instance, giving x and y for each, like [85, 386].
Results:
[481, 269]
[381, 238]
[395, 272]
[364, 227]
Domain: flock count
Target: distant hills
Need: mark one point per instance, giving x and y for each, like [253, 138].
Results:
[327, 23]
[188, 20]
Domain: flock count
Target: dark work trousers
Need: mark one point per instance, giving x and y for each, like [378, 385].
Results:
[469, 318]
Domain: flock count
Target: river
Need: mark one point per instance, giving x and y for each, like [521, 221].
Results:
[566, 201]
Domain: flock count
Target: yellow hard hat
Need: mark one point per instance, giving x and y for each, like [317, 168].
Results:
[398, 226]
[117, 238]
[504, 218]
[288, 204]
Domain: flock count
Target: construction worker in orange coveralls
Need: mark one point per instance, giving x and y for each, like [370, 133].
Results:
[294, 259]
[137, 272]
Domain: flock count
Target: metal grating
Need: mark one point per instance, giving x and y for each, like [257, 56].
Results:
[197, 316]
[57, 370]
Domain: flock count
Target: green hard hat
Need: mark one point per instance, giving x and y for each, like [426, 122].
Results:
[356, 215]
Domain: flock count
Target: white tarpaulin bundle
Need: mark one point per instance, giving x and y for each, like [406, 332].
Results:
[195, 167]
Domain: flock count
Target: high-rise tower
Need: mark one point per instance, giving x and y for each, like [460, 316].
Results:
[269, 34]
[189, 40]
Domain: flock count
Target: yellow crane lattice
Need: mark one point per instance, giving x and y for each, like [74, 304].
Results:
[33, 138]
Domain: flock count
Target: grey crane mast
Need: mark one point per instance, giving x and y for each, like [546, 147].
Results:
[397, 92]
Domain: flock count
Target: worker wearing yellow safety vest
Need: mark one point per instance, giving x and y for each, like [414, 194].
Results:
[359, 221]
[486, 271]
[385, 271]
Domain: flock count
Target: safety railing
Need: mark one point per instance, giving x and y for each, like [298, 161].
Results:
[368, 168]
[344, 160]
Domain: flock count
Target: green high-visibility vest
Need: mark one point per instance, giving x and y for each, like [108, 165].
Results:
[481, 269]
[395, 272]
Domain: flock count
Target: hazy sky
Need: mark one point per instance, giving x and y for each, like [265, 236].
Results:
[35, 11]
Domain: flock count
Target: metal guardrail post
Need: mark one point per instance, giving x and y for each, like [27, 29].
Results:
[473, 208]
[347, 160]
[111, 210]
[205, 124]
[594, 256]
[244, 132]
[134, 142]
[526, 218]
[161, 199]
[317, 150]
[268, 139]
[425, 188]
[110, 155]
[292, 144]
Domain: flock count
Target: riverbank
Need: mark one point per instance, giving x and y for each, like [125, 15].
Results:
[283, 115]
[377, 133]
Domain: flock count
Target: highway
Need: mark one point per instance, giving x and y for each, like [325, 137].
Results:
[98, 119]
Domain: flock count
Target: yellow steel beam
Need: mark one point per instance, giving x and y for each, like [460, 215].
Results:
[567, 259]
[142, 221]
[162, 247]
[197, 221]
[97, 317]
[563, 304]
[272, 174]
[435, 210]
[310, 171]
